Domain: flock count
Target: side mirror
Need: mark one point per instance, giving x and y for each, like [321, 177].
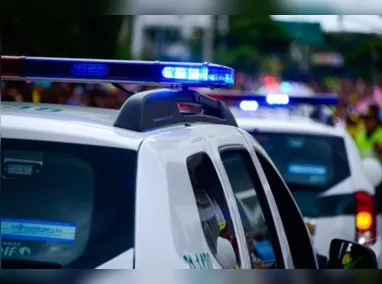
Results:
[349, 255]
[373, 170]
[225, 254]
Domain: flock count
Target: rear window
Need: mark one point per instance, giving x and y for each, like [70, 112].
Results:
[65, 205]
[310, 165]
[307, 161]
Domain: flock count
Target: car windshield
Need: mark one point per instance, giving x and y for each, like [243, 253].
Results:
[310, 165]
[65, 205]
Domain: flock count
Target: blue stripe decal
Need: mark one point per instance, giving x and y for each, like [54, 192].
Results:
[307, 169]
[37, 230]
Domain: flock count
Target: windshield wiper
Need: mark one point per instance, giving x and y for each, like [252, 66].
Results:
[7, 263]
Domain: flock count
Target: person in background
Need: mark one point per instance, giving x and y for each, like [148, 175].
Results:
[359, 87]
[353, 125]
[5, 94]
[226, 234]
[369, 141]
[41, 92]
[11, 92]
[340, 112]
[377, 93]
[240, 81]
[263, 255]
[75, 95]
[37, 94]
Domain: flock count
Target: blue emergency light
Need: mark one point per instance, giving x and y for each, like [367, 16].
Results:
[116, 71]
[277, 99]
[249, 105]
[251, 102]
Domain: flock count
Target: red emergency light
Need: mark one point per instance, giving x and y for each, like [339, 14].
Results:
[11, 67]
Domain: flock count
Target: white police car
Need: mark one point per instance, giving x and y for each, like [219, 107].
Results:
[145, 186]
[321, 165]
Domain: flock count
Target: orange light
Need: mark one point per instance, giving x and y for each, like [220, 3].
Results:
[364, 220]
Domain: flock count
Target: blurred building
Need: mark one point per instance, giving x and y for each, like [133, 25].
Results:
[167, 34]
[368, 24]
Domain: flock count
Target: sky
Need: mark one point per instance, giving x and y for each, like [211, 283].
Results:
[331, 23]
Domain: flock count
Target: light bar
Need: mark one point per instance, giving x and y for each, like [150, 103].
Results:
[116, 71]
[277, 99]
[250, 101]
[249, 105]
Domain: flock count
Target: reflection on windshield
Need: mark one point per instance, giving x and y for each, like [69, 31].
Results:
[311, 164]
[63, 205]
[307, 162]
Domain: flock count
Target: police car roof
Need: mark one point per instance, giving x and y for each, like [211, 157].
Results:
[65, 123]
[289, 124]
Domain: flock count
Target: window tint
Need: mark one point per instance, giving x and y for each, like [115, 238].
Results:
[295, 228]
[310, 164]
[251, 202]
[65, 205]
[307, 162]
[213, 209]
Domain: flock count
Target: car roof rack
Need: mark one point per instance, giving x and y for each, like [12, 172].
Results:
[145, 110]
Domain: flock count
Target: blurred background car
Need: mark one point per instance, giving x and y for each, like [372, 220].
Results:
[333, 187]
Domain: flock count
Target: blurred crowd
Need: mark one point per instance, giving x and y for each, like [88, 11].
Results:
[360, 106]
[93, 95]
[348, 89]
[354, 94]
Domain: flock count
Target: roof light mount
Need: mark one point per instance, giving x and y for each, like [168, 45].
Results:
[144, 110]
[159, 108]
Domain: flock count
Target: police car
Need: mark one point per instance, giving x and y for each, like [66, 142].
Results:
[145, 186]
[320, 163]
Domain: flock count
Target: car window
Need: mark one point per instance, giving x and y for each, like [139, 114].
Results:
[311, 164]
[65, 205]
[251, 202]
[296, 231]
[212, 205]
[307, 162]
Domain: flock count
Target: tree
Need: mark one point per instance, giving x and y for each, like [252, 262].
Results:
[357, 50]
[79, 37]
[249, 39]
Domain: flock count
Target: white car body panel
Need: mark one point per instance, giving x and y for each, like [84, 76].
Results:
[123, 261]
[167, 222]
[74, 124]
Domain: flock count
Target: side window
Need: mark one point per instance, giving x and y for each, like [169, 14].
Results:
[213, 209]
[263, 243]
[295, 229]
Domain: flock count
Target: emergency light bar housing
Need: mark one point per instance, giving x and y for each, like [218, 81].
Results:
[116, 71]
[145, 110]
[250, 102]
[276, 99]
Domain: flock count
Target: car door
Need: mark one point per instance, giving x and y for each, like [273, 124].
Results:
[182, 210]
[298, 237]
[169, 234]
[257, 220]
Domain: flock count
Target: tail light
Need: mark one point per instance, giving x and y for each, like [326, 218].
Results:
[366, 227]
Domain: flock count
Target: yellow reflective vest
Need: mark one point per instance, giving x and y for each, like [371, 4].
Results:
[366, 143]
[354, 130]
